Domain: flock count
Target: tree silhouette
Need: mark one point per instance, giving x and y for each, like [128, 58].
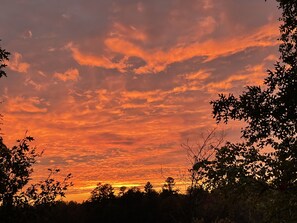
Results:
[202, 151]
[148, 188]
[168, 187]
[3, 57]
[47, 191]
[15, 169]
[102, 192]
[122, 190]
[270, 114]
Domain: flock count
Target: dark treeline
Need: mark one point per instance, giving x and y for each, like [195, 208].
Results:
[236, 205]
[135, 205]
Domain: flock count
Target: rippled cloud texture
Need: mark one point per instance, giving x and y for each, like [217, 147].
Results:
[110, 88]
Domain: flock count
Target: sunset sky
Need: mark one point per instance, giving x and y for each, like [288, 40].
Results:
[111, 88]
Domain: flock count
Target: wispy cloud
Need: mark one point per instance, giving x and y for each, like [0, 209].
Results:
[157, 60]
[29, 105]
[16, 63]
[69, 75]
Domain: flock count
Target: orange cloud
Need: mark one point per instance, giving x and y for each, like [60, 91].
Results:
[69, 75]
[207, 4]
[200, 75]
[94, 61]
[271, 57]
[16, 63]
[124, 47]
[35, 85]
[127, 32]
[157, 60]
[251, 75]
[22, 104]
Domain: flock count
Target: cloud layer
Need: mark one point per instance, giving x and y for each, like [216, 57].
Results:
[110, 89]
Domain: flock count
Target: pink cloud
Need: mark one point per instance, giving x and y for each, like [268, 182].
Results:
[29, 104]
[69, 75]
[157, 59]
[16, 64]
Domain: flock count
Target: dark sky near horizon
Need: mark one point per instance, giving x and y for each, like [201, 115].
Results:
[111, 88]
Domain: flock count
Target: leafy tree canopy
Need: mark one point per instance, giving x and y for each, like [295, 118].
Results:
[16, 167]
[102, 192]
[265, 163]
[270, 112]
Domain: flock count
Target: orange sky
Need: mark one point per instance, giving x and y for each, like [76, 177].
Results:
[110, 89]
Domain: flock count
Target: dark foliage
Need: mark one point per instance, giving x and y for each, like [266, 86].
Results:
[137, 206]
[19, 201]
[260, 173]
[15, 169]
[3, 57]
[271, 116]
[131, 206]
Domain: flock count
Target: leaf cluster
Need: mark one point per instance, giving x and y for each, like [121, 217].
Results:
[4, 56]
